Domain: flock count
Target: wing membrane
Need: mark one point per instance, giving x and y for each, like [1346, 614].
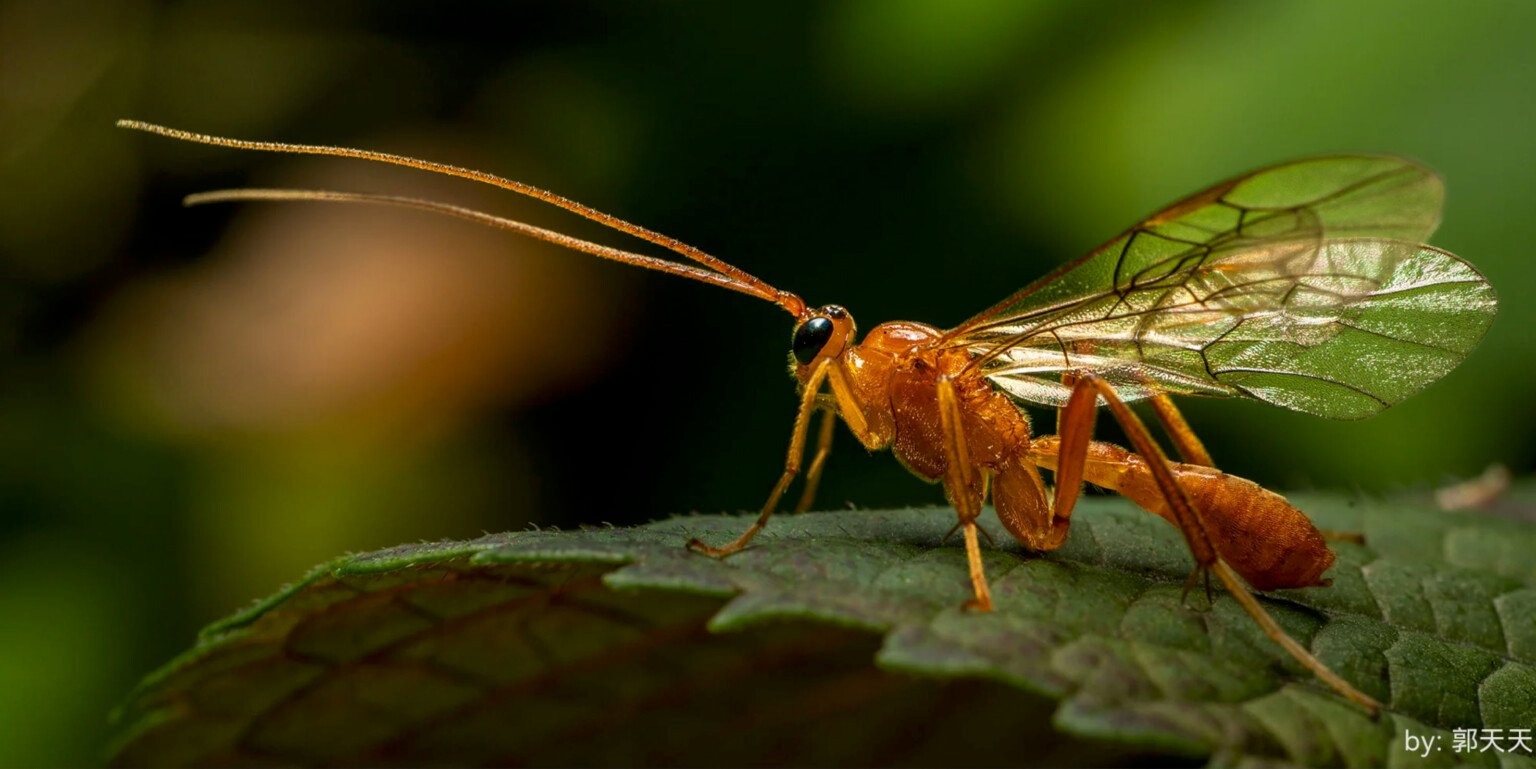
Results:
[1300, 285]
[1310, 199]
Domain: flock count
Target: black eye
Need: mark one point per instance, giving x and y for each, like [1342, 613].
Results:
[810, 337]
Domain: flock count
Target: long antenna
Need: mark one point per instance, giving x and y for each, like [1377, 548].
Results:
[720, 272]
[491, 220]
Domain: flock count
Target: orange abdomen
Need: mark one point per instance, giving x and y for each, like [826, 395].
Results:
[1256, 531]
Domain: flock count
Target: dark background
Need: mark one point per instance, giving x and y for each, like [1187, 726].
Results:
[197, 405]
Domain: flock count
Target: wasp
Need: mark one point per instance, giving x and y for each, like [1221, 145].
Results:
[1306, 285]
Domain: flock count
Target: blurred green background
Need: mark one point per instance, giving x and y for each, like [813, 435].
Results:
[196, 405]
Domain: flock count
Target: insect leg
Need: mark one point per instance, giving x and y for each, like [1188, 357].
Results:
[1068, 380]
[1078, 422]
[808, 401]
[986, 480]
[1193, 452]
[1190, 449]
[1200, 545]
[1074, 425]
[1038, 521]
[819, 460]
[1278, 635]
[1069, 460]
[960, 482]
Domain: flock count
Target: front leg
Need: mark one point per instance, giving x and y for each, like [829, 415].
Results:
[819, 459]
[808, 403]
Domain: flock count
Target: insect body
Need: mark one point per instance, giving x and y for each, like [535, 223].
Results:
[1304, 285]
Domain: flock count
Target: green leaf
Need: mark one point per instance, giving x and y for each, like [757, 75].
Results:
[839, 638]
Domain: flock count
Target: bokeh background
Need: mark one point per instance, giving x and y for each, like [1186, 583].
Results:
[199, 404]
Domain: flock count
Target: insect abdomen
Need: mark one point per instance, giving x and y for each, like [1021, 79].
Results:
[1256, 531]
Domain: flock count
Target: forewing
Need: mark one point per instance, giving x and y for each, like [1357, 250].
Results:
[1310, 199]
[1341, 329]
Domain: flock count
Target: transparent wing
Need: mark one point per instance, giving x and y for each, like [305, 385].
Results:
[1342, 329]
[1301, 285]
[1312, 198]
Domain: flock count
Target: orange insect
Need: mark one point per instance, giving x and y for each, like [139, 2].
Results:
[1303, 285]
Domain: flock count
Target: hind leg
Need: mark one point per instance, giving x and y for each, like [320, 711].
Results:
[1077, 423]
[1192, 451]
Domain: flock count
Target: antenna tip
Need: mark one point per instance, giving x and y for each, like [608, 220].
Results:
[139, 125]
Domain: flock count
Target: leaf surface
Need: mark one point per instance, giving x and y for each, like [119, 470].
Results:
[839, 638]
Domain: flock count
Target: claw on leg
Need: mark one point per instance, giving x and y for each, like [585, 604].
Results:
[1195, 577]
[986, 535]
[697, 545]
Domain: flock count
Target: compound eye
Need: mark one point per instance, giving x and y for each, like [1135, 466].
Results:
[810, 337]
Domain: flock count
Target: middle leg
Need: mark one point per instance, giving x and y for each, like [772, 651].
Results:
[962, 483]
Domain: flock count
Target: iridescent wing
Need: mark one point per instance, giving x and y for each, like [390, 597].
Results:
[1302, 285]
